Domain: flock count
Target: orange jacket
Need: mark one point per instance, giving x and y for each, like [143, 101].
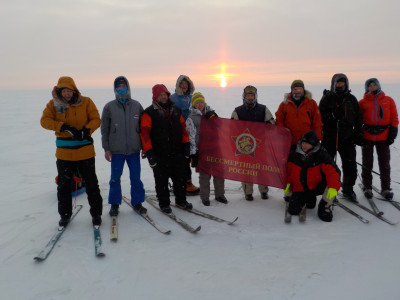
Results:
[82, 114]
[378, 111]
[299, 120]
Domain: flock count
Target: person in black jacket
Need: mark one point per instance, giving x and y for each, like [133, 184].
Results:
[166, 145]
[253, 111]
[342, 129]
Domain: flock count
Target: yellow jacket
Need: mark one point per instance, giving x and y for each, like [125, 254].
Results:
[81, 114]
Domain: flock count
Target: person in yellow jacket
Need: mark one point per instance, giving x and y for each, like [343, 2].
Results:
[74, 118]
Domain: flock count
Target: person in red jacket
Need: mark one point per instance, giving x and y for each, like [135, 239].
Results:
[166, 145]
[311, 172]
[380, 130]
[299, 113]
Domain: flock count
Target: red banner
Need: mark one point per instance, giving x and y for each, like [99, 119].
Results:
[244, 151]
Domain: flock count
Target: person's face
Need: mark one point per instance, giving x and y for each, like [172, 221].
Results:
[340, 84]
[306, 146]
[184, 86]
[121, 85]
[200, 105]
[162, 98]
[372, 87]
[298, 90]
[67, 94]
[250, 97]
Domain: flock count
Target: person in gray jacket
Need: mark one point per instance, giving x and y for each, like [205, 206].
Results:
[120, 127]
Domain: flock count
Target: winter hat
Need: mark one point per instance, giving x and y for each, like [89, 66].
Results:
[158, 89]
[120, 80]
[311, 138]
[297, 83]
[197, 97]
[372, 80]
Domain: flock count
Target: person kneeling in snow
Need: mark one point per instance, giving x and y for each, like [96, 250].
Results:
[311, 172]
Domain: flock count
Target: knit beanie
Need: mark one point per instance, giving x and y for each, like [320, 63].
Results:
[297, 83]
[372, 80]
[311, 138]
[197, 97]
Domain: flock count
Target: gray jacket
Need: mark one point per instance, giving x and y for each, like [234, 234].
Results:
[120, 127]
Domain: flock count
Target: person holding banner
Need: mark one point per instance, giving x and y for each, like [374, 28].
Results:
[311, 172]
[166, 145]
[198, 109]
[251, 110]
[299, 113]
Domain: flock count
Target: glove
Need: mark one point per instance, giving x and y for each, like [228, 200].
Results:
[287, 193]
[331, 193]
[152, 158]
[210, 114]
[85, 134]
[186, 150]
[70, 129]
[287, 189]
[194, 159]
[392, 135]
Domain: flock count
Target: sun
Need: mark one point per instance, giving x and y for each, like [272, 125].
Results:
[222, 77]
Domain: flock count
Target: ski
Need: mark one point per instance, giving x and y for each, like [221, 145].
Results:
[44, 253]
[98, 249]
[147, 218]
[288, 217]
[394, 203]
[114, 228]
[202, 214]
[373, 213]
[350, 211]
[175, 218]
[371, 202]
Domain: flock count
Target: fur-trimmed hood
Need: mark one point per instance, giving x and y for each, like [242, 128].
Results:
[288, 96]
[178, 89]
[60, 103]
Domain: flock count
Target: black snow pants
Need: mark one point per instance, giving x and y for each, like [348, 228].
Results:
[65, 180]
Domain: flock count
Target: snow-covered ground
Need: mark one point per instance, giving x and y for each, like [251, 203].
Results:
[259, 257]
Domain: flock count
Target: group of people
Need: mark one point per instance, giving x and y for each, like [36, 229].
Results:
[167, 133]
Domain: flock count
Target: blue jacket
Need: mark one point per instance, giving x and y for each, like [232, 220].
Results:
[183, 101]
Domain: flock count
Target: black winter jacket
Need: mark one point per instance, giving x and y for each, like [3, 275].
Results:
[344, 109]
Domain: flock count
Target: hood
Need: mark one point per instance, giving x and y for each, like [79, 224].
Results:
[60, 104]
[128, 93]
[336, 78]
[158, 89]
[178, 83]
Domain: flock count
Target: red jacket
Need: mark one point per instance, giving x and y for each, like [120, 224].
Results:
[306, 171]
[299, 120]
[379, 112]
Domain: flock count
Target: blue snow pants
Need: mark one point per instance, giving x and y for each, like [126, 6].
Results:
[117, 166]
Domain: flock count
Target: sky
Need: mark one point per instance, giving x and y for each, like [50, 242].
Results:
[236, 42]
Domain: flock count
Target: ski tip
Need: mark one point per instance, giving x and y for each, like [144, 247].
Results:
[101, 254]
[231, 223]
[38, 259]
[197, 229]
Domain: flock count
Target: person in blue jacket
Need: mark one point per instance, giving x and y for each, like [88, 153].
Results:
[183, 99]
[120, 128]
